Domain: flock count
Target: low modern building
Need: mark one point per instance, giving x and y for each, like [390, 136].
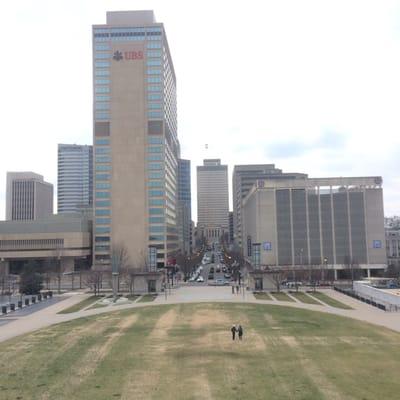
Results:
[393, 247]
[334, 222]
[28, 196]
[63, 238]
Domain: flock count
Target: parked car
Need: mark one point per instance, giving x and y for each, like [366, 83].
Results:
[220, 282]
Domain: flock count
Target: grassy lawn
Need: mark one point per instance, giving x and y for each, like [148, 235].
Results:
[281, 296]
[304, 298]
[330, 301]
[81, 305]
[147, 297]
[97, 305]
[185, 351]
[262, 296]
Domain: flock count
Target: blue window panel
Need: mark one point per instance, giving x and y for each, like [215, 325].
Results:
[102, 115]
[156, 220]
[155, 114]
[154, 79]
[155, 30]
[103, 203]
[156, 175]
[155, 166]
[102, 141]
[154, 96]
[103, 221]
[156, 183]
[102, 81]
[102, 248]
[156, 193]
[154, 88]
[154, 53]
[156, 238]
[102, 229]
[102, 47]
[102, 98]
[101, 56]
[155, 149]
[103, 195]
[154, 106]
[103, 159]
[102, 89]
[103, 167]
[154, 45]
[156, 211]
[102, 72]
[154, 63]
[102, 64]
[155, 157]
[103, 150]
[155, 140]
[102, 106]
[103, 177]
[157, 202]
[156, 229]
[101, 212]
[102, 238]
[154, 71]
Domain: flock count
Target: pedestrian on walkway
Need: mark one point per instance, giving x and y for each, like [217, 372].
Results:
[233, 330]
[240, 332]
[237, 289]
[233, 289]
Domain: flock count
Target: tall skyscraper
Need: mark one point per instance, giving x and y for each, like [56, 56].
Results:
[136, 148]
[28, 196]
[184, 205]
[243, 179]
[75, 178]
[212, 199]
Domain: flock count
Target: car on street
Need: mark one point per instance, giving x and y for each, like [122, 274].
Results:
[220, 282]
[200, 279]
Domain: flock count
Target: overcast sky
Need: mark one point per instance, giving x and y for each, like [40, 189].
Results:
[311, 86]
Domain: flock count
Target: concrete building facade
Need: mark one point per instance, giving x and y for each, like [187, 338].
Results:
[28, 196]
[74, 178]
[212, 199]
[393, 246]
[315, 221]
[136, 147]
[243, 179]
[65, 238]
[184, 206]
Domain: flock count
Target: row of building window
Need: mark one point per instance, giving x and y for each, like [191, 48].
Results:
[102, 81]
[100, 167]
[156, 175]
[103, 203]
[102, 177]
[103, 221]
[102, 106]
[155, 157]
[156, 220]
[154, 88]
[155, 114]
[102, 72]
[102, 98]
[103, 195]
[158, 184]
[156, 229]
[103, 159]
[154, 63]
[102, 212]
[102, 89]
[154, 106]
[102, 229]
[155, 140]
[102, 150]
[154, 79]
[102, 115]
[156, 202]
[152, 30]
[155, 166]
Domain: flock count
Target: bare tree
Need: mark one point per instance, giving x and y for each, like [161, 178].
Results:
[278, 276]
[119, 262]
[94, 279]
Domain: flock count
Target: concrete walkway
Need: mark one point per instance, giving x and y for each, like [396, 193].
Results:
[49, 316]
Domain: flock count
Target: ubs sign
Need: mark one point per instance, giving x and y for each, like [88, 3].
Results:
[127, 55]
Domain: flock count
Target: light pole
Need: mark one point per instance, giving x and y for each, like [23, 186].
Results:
[324, 267]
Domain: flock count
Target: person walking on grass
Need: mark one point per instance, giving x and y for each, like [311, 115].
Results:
[233, 330]
[240, 332]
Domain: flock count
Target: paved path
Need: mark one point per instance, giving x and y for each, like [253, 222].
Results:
[49, 316]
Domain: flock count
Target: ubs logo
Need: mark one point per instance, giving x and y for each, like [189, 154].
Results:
[117, 56]
[128, 55]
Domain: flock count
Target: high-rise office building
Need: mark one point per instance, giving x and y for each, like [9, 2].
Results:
[75, 178]
[243, 179]
[212, 199]
[184, 206]
[28, 196]
[136, 147]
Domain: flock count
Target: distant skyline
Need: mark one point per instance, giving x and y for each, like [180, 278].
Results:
[311, 86]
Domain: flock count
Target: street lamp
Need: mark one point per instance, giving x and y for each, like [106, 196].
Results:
[323, 269]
